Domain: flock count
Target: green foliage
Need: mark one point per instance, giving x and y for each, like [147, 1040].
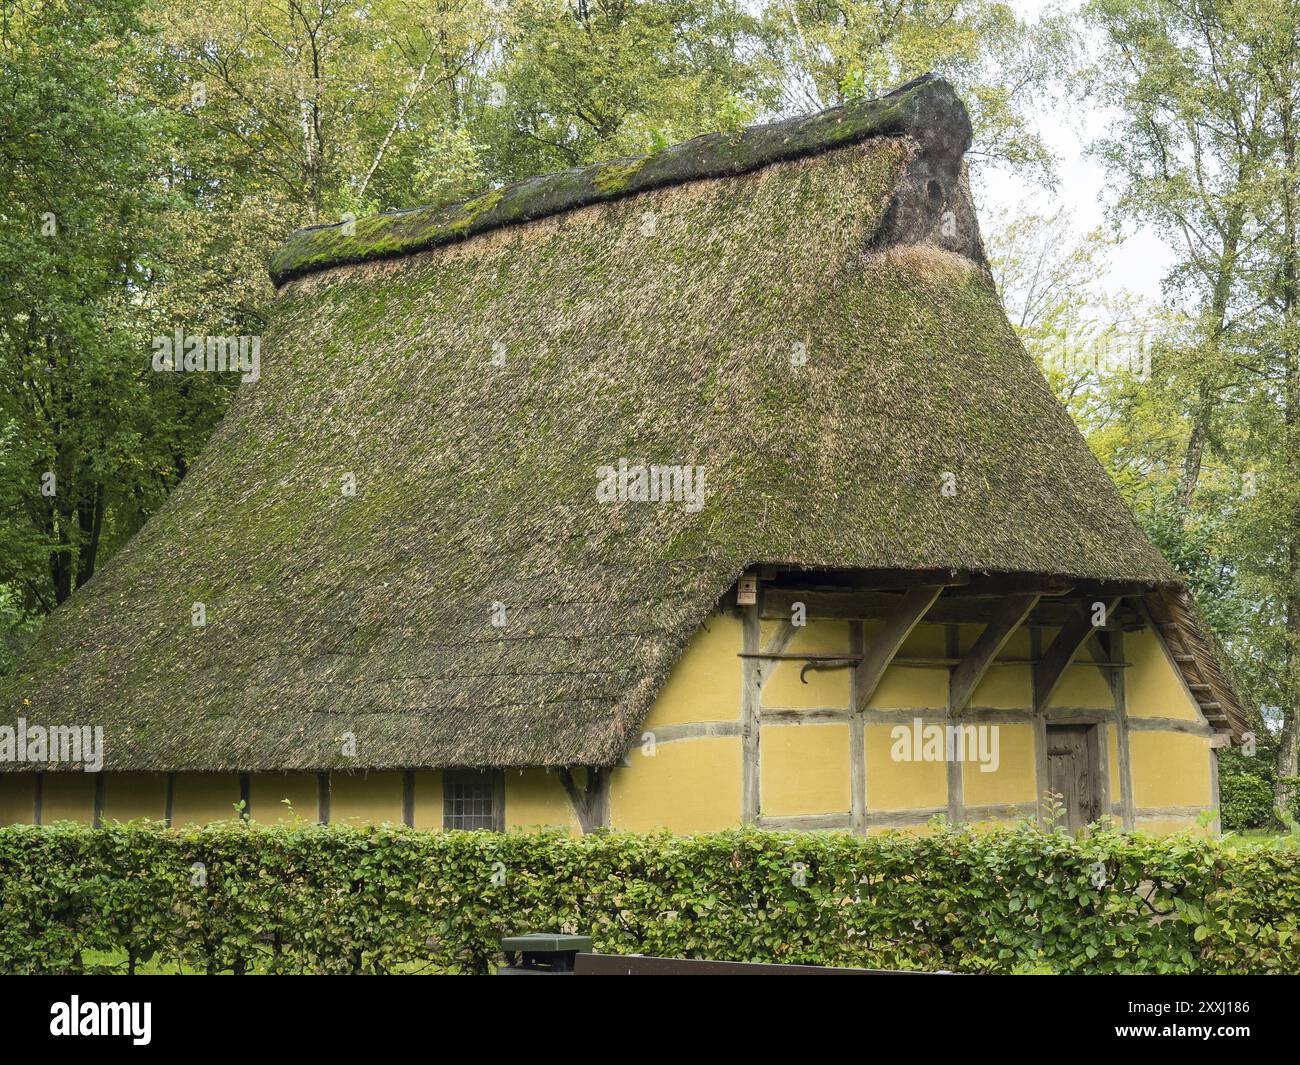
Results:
[1205, 150]
[91, 439]
[327, 899]
[1245, 791]
[827, 51]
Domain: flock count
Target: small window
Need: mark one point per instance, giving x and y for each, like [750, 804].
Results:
[473, 799]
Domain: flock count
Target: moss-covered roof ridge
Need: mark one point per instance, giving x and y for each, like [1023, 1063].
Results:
[927, 109]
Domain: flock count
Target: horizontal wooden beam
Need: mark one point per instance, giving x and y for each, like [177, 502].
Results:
[1003, 584]
[806, 822]
[1005, 660]
[959, 582]
[862, 579]
[798, 715]
[795, 656]
[847, 605]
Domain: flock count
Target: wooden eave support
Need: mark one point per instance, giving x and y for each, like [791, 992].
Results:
[966, 676]
[591, 802]
[902, 619]
[1049, 672]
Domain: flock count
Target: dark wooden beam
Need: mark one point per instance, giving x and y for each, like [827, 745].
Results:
[958, 583]
[966, 676]
[859, 579]
[776, 603]
[905, 616]
[1069, 641]
[1004, 584]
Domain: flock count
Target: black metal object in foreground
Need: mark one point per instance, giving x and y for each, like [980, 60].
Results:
[541, 953]
[546, 954]
[639, 965]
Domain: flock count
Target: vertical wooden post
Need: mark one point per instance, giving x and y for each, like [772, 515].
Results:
[246, 794]
[38, 798]
[408, 798]
[1115, 649]
[750, 698]
[170, 803]
[1215, 796]
[857, 740]
[1101, 760]
[498, 777]
[956, 779]
[97, 808]
[598, 781]
[323, 798]
[1042, 769]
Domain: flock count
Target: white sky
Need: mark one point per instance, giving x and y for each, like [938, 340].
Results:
[1143, 259]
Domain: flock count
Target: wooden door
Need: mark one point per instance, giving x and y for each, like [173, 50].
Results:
[1072, 772]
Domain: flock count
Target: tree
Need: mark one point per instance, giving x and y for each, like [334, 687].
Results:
[1205, 151]
[80, 441]
[827, 51]
[585, 80]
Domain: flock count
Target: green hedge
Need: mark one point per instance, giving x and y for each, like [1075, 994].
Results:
[333, 899]
[1246, 788]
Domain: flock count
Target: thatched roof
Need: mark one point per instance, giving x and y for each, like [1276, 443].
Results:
[646, 310]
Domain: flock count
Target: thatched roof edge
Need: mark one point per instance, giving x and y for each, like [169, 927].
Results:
[927, 109]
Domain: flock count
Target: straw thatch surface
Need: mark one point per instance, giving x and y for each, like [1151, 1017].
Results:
[657, 328]
[926, 109]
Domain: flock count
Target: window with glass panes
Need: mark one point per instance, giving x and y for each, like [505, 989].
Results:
[473, 799]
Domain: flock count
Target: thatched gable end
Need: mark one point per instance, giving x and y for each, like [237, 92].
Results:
[925, 110]
[809, 324]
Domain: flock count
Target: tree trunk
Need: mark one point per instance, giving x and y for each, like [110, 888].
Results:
[1206, 393]
[90, 518]
[1285, 767]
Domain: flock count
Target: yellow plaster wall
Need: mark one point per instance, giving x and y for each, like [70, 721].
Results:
[365, 798]
[199, 798]
[1152, 687]
[1170, 769]
[536, 799]
[1085, 686]
[17, 798]
[907, 687]
[68, 797]
[131, 795]
[898, 785]
[804, 769]
[267, 790]
[1006, 686]
[1015, 647]
[824, 687]
[1015, 779]
[1112, 763]
[694, 785]
[1019, 646]
[924, 641]
[688, 786]
[1081, 685]
[428, 800]
[1167, 827]
[705, 683]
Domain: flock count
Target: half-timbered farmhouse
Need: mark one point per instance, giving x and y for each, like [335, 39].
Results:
[698, 489]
